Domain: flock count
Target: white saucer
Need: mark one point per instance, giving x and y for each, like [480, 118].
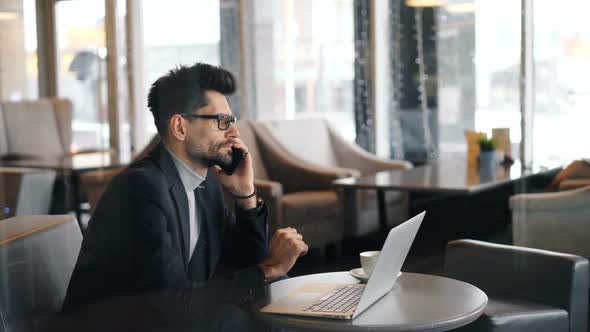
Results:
[362, 276]
[359, 274]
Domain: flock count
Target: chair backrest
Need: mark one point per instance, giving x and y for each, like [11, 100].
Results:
[37, 257]
[553, 221]
[25, 191]
[249, 138]
[37, 128]
[308, 139]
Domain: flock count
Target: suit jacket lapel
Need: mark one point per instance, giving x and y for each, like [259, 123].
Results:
[209, 208]
[181, 202]
[176, 189]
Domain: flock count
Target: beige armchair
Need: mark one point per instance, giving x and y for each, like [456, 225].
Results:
[19, 119]
[319, 146]
[297, 194]
[25, 191]
[558, 221]
[37, 257]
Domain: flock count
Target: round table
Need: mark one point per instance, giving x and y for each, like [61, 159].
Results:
[418, 302]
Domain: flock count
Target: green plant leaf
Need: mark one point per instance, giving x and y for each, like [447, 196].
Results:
[486, 144]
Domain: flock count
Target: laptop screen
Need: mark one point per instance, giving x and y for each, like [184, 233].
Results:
[390, 261]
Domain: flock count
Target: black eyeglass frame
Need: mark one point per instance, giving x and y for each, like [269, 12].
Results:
[219, 117]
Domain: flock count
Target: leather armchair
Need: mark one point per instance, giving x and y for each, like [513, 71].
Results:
[556, 221]
[528, 289]
[316, 145]
[25, 191]
[37, 257]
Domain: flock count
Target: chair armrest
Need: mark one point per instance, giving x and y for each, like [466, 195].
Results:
[571, 184]
[91, 151]
[297, 175]
[18, 171]
[100, 176]
[353, 156]
[551, 201]
[294, 173]
[268, 188]
[272, 193]
[16, 156]
[541, 276]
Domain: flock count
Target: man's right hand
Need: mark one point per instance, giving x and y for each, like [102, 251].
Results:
[285, 247]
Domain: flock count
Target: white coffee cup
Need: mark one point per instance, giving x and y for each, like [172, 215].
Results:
[368, 261]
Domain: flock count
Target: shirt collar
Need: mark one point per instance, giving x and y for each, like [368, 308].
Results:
[190, 179]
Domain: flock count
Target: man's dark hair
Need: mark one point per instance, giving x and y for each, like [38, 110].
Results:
[182, 90]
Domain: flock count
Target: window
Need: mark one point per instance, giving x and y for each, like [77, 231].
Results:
[561, 112]
[177, 32]
[497, 67]
[18, 54]
[81, 69]
[304, 60]
[479, 67]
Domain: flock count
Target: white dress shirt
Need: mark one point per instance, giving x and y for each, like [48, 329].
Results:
[190, 181]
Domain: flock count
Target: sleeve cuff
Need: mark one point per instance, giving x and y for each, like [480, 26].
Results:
[250, 213]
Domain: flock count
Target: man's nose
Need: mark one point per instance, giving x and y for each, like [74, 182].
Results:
[233, 131]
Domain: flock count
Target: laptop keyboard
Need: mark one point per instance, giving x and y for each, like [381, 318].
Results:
[341, 299]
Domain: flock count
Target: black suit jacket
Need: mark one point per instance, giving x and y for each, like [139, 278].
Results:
[138, 238]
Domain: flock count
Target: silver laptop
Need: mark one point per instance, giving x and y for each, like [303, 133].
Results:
[347, 301]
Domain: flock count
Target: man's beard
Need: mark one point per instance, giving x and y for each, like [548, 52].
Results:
[211, 157]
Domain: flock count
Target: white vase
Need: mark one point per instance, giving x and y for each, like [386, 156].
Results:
[487, 158]
[487, 166]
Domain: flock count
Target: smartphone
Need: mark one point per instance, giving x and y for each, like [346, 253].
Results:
[237, 157]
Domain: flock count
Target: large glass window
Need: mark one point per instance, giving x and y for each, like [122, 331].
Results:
[18, 53]
[497, 66]
[305, 60]
[177, 32]
[81, 69]
[562, 81]
[479, 66]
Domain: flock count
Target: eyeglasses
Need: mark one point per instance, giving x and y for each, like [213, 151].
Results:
[223, 120]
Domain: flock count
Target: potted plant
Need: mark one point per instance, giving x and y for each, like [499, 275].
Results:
[487, 154]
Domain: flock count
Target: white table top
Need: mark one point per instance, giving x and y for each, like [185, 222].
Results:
[418, 302]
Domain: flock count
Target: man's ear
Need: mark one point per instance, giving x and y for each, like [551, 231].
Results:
[177, 127]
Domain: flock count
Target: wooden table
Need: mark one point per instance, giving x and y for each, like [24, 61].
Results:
[418, 302]
[445, 176]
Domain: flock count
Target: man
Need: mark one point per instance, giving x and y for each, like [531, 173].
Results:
[162, 223]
